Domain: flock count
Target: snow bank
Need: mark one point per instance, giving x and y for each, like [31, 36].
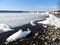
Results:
[4, 28]
[52, 20]
[18, 35]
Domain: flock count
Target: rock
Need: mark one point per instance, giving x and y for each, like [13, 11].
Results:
[36, 34]
[53, 39]
[46, 43]
[34, 44]
[41, 34]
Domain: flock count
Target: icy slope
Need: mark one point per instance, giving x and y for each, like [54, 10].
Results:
[53, 20]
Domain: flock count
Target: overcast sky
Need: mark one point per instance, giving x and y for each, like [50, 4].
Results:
[24, 5]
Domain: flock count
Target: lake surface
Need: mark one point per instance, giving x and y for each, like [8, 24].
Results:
[18, 19]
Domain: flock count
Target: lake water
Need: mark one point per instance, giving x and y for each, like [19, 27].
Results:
[18, 19]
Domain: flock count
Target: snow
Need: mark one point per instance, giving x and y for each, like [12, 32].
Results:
[4, 28]
[18, 35]
[46, 13]
[19, 19]
[52, 20]
[32, 23]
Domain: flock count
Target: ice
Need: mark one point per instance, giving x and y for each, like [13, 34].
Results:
[32, 23]
[19, 19]
[18, 35]
[52, 20]
[4, 28]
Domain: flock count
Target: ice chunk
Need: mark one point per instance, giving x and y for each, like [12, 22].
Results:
[4, 28]
[18, 35]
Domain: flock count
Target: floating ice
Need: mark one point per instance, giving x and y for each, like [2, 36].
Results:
[18, 35]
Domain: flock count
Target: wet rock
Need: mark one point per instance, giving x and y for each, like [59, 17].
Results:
[46, 43]
[53, 39]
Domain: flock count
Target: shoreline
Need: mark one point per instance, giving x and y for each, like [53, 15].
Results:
[40, 35]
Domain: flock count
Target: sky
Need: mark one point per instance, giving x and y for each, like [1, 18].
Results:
[28, 5]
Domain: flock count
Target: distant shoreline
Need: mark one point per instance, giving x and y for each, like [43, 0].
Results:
[8, 11]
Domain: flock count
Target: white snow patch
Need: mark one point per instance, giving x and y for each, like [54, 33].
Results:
[32, 23]
[53, 20]
[18, 35]
[4, 28]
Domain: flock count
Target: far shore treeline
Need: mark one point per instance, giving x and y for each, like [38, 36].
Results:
[11, 11]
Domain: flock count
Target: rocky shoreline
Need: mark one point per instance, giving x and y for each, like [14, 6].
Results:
[41, 34]
[56, 13]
